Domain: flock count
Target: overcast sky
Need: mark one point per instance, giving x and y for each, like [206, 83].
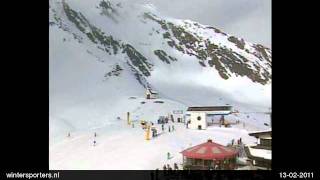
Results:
[249, 19]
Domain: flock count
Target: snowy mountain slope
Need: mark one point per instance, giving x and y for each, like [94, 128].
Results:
[103, 52]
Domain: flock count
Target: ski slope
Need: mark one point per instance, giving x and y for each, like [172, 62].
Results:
[121, 146]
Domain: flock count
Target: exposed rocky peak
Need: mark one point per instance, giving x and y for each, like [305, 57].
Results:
[116, 71]
[107, 43]
[137, 59]
[239, 43]
[139, 76]
[228, 55]
[163, 56]
[109, 10]
[186, 38]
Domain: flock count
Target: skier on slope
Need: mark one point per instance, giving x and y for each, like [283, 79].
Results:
[162, 127]
[94, 142]
[153, 133]
[95, 134]
[176, 166]
[164, 167]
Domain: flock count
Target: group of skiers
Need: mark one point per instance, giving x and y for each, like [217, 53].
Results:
[94, 139]
[239, 141]
[154, 130]
[168, 167]
[163, 120]
[171, 128]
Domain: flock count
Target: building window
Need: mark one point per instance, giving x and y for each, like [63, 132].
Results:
[199, 118]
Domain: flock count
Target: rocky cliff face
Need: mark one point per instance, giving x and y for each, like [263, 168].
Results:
[212, 48]
[250, 60]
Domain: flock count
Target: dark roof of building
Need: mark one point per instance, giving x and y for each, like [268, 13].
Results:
[260, 133]
[210, 108]
[152, 91]
[259, 146]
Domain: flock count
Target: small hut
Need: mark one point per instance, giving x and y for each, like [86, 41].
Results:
[209, 155]
[151, 94]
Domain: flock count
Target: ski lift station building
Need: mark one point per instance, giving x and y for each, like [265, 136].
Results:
[151, 94]
[197, 117]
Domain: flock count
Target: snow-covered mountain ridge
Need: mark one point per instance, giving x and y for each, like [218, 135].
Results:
[102, 52]
[227, 54]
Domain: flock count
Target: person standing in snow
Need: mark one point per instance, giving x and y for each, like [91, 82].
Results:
[69, 134]
[164, 167]
[95, 134]
[169, 129]
[153, 133]
[176, 166]
[162, 127]
[94, 142]
[168, 155]
[172, 127]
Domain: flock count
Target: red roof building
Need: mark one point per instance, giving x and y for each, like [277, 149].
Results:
[209, 155]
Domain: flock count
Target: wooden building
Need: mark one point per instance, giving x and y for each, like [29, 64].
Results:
[151, 94]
